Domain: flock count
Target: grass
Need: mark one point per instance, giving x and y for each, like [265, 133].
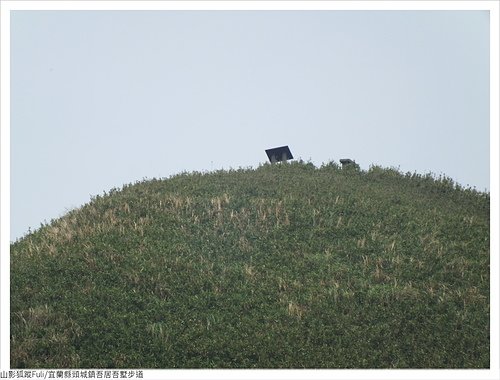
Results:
[283, 266]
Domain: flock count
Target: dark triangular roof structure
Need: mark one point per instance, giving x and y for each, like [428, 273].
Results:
[345, 161]
[281, 153]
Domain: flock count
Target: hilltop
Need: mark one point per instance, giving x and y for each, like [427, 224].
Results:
[283, 266]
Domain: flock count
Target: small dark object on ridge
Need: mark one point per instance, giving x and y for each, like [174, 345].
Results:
[346, 161]
[281, 153]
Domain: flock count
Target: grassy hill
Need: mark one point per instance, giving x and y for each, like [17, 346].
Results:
[283, 266]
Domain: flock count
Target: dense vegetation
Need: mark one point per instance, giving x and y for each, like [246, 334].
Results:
[283, 266]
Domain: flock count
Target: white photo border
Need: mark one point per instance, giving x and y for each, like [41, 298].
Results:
[492, 6]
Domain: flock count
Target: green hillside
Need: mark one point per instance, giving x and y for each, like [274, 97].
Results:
[283, 266]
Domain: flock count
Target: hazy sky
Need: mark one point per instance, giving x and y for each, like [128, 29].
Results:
[104, 98]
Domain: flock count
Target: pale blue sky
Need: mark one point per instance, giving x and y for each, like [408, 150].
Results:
[104, 98]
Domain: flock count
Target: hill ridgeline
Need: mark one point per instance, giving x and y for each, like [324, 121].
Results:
[283, 266]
